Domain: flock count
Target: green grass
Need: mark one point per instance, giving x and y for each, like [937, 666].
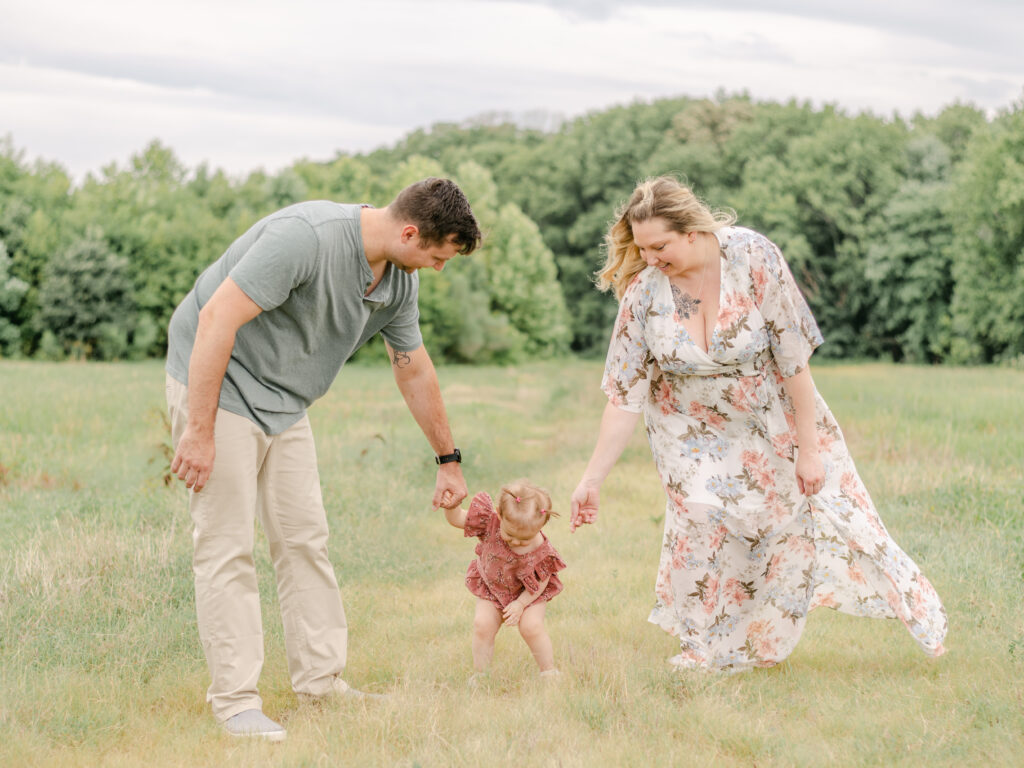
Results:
[100, 662]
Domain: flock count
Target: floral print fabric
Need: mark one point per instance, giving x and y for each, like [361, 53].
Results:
[498, 574]
[745, 555]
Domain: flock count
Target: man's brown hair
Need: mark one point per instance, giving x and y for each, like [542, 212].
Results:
[439, 210]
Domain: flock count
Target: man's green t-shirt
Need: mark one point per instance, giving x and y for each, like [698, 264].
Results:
[306, 269]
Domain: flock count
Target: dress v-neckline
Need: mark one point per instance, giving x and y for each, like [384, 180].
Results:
[718, 312]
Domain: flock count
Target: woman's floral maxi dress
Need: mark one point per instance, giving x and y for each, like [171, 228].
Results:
[746, 556]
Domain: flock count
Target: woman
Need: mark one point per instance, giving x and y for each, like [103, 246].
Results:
[766, 515]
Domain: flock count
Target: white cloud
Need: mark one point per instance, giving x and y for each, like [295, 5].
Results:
[245, 84]
[86, 122]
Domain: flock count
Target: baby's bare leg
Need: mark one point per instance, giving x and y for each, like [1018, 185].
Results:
[486, 624]
[531, 627]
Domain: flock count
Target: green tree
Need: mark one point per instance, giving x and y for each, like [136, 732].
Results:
[502, 303]
[570, 185]
[158, 221]
[86, 301]
[817, 203]
[953, 126]
[910, 257]
[988, 222]
[524, 283]
[12, 294]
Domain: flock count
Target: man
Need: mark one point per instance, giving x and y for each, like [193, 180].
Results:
[261, 336]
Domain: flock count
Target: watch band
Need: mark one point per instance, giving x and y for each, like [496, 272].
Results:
[455, 456]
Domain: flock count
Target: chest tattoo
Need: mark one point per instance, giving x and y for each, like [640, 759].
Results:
[686, 305]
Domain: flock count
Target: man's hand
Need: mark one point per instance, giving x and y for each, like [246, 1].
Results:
[585, 500]
[227, 310]
[193, 461]
[451, 487]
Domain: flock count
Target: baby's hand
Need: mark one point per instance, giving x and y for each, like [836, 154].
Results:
[512, 613]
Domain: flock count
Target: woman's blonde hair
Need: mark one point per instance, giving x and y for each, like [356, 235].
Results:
[524, 505]
[661, 197]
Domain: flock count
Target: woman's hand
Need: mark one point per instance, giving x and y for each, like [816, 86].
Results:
[512, 613]
[585, 500]
[810, 472]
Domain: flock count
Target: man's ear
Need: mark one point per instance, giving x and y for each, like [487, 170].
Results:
[409, 231]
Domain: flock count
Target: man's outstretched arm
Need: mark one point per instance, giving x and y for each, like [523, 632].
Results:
[227, 310]
[417, 381]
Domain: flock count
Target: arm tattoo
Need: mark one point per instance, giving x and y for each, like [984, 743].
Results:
[401, 359]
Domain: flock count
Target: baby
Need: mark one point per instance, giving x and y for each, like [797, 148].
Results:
[513, 575]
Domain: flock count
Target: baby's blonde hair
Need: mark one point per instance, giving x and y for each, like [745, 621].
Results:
[524, 505]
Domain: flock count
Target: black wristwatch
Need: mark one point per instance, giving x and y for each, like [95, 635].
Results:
[455, 455]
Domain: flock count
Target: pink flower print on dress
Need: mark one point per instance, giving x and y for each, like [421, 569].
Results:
[893, 600]
[800, 547]
[734, 307]
[710, 601]
[773, 503]
[717, 537]
[678, 499]
[664, 397]
[856, 574]
[926, 588]
[785, 443]
[680, 550]
[827, 600]
[707, 416]
[761, 638]
[849, 485]
[774, 566]
[735, 592]
[760, 471]
[741, 394]
[919, 609]
[759, 278]
[825, 440]
[663, 589]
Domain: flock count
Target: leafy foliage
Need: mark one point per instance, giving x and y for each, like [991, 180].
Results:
[988, 300]
[904, 235]
[12, 293]
[86, 301]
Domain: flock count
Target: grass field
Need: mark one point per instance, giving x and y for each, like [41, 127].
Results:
[100, 662]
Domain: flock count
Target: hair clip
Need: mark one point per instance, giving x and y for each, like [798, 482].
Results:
[516, 498]
[545, 512]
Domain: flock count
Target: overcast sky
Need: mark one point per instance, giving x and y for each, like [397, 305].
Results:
[246, 84]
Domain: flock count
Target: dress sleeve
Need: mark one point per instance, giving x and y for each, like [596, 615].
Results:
[792, 330]
[626, 372]
[479, 515]
[536, 569]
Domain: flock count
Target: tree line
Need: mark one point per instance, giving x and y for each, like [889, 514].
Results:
[906, 235]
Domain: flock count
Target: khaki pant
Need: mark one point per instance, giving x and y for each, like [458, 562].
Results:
[276, 475]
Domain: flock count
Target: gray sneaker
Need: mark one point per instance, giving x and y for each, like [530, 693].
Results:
[253, 722]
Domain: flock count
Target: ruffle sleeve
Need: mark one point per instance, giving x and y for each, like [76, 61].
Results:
[535, 569]
[627, 378]
[792, 330]
[479, 516]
